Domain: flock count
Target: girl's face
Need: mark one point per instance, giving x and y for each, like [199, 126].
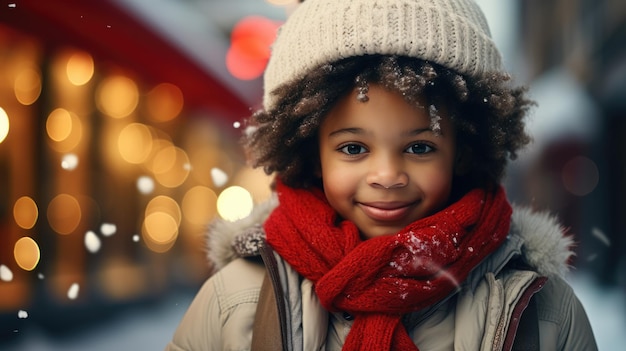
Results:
[382, 165]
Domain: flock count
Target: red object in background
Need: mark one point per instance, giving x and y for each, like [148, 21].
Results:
[250, 43]
[110, 34]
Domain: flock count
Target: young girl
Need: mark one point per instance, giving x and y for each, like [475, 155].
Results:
[388, 125]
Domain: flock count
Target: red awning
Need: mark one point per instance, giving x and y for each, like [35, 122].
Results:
[111, 34]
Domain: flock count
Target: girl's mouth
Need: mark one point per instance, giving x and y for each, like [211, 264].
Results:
[385, 211]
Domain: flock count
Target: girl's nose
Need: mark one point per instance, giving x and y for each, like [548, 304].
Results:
[387, 173]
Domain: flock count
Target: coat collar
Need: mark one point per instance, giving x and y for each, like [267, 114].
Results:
[537, 239]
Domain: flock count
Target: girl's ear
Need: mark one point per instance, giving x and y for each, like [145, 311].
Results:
[463, 162]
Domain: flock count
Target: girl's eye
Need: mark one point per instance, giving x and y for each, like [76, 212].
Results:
[353, 149]
[419, 149]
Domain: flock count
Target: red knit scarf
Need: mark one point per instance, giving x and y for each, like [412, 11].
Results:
[380, 279]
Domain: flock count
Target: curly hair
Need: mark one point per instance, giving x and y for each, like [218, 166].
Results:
[487, 114]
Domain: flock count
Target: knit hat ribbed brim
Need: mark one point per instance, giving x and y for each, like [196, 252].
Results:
[451, 33]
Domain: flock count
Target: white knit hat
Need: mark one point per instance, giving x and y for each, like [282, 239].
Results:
[452, 33]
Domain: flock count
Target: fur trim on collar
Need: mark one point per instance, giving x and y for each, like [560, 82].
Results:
[546, 247]
[222, 234]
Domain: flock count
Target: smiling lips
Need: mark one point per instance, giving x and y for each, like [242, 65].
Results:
[385, 211]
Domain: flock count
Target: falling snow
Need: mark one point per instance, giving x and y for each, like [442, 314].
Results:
[136, 238]
[592, 257]
[435, 119]
[21, 314]
[236, 125]
[72, 292]
[220, 178]
[92, 242]
[69, 162]
[108, 229]
[5, 273]
[598, 234]
[145, 185]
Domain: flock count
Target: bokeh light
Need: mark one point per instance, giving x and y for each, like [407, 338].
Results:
[166, 205]
[161, 227]
[25, 212]
[234, 203]
[161, 222]
[59, 124]
[580, 176]
[171, 166]
[199, 205]
[27, 86]
[80, 68]
[64, 214]
[65, 129]
[164, 102]
[26, 253]
[117, 96]
[135, 143]
[159, 231]
[162, 157]
[4, 124]
[249, 49]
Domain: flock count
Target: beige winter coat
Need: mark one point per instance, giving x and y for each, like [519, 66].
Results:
[477, 317]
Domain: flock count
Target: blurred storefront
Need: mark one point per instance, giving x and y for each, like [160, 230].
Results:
[116, 150]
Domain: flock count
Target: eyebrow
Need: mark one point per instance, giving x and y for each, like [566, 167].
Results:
[360, 131]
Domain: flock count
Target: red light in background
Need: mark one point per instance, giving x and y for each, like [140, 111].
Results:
[250, 43]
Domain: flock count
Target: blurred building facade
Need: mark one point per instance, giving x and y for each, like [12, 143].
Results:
[116, 149]
[583, 176]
